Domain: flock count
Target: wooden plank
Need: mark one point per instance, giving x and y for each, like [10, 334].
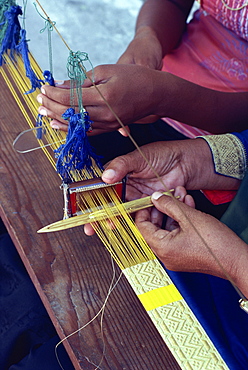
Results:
[71, 272]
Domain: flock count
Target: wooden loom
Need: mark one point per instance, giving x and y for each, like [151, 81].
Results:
[69, 269]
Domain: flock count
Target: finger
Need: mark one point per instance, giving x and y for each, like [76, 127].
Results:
[189, 200]
[156, 217]
[88, 230]
[57, 94]
[151, 232]
[51, 108]
[124, 131]
[63, 84]
[172, 207]
[58, 125]
[120, 167]
[48, 113]
[180, 192]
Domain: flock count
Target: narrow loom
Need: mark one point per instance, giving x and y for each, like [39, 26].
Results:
[71, 261]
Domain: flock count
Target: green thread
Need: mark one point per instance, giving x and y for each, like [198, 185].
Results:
[49, 26]
[77, 75]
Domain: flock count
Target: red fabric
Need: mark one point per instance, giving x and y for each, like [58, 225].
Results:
[219, 196]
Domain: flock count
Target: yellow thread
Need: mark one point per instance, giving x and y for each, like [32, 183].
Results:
[160, 297]
[127, 254]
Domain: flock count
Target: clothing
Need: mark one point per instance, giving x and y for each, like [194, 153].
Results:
[230, 155]
[27, 335]
[213, 53]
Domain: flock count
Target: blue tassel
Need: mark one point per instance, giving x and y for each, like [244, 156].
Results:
[76, 153]
[22, 48]
[12, 33]
[49, 78]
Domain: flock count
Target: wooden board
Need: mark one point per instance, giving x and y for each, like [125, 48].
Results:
[71, 272]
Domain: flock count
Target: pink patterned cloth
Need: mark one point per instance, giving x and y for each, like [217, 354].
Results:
[213, 53]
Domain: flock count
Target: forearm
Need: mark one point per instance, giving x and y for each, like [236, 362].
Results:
[166, 19]
[215, 111]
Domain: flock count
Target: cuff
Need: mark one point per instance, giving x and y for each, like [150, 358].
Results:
[228, 155]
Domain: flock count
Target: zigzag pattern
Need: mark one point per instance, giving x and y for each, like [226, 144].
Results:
[175, 322]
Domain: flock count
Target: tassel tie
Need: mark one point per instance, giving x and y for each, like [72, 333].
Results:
[11, 29]
[76, 153]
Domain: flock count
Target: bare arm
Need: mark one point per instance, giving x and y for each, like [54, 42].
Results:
[135, 92]
[166, 18]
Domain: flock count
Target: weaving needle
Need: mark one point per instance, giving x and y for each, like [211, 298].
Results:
[102, 214]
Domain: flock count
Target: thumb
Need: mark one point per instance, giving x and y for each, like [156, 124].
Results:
[120, 167]
[172, 207]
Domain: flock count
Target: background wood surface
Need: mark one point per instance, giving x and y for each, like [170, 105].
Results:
[71, 272]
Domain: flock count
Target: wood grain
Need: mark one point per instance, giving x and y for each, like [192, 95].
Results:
[71, 272]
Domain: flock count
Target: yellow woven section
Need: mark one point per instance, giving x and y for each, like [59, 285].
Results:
[176, 323]
[159, 297]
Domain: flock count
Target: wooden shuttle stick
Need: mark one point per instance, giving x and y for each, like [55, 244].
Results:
[97, 215]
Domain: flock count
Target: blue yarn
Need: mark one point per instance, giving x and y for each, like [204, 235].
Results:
[22, 48]
[39, 120]
[39, 123]
[49, 78]
[12, 34]
[76, 153]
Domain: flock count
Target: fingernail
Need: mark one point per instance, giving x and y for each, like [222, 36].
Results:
[109, 174]
[39, 99]
[59, 82]
[157, 195]
[42, 111]
[54, 125]
[43, 90]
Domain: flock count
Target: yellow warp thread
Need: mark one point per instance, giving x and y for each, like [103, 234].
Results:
[160, 297]
[129, 250]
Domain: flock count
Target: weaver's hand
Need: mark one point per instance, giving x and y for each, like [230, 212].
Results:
[119, 84]
[182, 249]
[185, 163]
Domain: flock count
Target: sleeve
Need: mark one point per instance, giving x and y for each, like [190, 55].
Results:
[229, 153]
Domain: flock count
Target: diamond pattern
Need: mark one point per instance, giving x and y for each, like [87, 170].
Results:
[175, 322]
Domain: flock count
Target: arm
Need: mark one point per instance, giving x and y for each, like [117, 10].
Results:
[187, 163]
[135, 92]
[159, 28]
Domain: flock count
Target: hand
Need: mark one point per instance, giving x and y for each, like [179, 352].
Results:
[119, 84]
[145, 50]
[174, 161]
[184, 248]
[185, 162]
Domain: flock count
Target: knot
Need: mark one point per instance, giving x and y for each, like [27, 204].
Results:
[68, 113]
[49, 77]
[49, 25]
[75, 65]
